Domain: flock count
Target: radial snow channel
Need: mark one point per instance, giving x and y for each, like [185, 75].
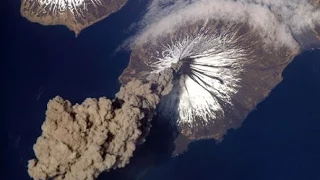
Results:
[210, 69]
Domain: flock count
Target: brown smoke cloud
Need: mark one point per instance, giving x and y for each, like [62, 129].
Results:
[83, 140]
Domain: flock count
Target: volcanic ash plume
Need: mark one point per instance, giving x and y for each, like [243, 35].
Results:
[81, 141]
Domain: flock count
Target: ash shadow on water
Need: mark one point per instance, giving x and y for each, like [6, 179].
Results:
[158, 148]
[279, 140]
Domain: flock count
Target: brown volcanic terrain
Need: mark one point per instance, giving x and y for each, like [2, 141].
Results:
[75, 17]
[263, 66]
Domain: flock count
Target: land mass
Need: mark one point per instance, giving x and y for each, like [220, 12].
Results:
[262, 68]
[76, 15]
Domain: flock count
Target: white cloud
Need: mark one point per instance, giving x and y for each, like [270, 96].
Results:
[277, 21]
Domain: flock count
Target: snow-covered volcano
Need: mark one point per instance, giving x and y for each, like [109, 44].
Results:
[209, 75]
[231, 54]
[225, 71]
[75, 14]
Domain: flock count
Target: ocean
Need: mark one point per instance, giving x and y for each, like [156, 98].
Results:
[278, 140]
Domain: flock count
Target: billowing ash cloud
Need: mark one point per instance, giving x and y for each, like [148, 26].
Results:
[230, 53]
[83, 140]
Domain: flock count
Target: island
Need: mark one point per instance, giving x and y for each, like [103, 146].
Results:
[74, 14]
[228, 68]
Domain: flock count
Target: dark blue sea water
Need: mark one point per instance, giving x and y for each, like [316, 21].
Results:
[38, 63]
[279, 140]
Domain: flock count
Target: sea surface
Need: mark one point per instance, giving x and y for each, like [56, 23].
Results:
[278, 140]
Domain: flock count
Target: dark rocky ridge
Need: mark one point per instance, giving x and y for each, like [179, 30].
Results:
[76, 18]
